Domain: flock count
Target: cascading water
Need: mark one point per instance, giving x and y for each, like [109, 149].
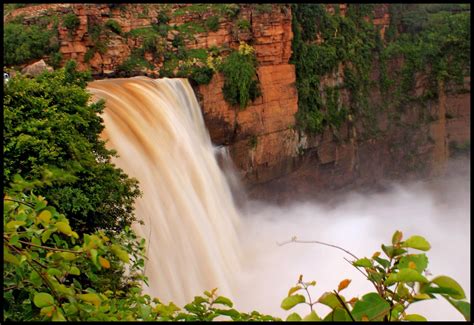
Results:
[190, 219]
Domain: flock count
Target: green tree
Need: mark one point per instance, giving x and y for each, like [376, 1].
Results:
[25, 43]
[50, 128]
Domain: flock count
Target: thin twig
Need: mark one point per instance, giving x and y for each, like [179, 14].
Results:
[344, 305]
[44, 247]
[27, 204]
[294, 240]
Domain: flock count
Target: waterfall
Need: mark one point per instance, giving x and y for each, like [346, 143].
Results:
[190, 219]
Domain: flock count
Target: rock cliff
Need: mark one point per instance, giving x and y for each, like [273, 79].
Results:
[262, 137]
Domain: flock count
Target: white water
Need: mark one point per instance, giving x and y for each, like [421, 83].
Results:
[198, 241]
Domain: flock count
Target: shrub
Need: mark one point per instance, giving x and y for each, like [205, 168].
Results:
[114, 26]
[201, 75]
[240, 72]
[71, 21]
[244, 24]
[399, 279]
[49, 127]
[163, 18]
[212, 23]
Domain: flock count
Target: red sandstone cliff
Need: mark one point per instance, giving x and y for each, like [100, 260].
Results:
[262, 140]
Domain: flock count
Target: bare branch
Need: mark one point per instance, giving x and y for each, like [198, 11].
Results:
[294, 240]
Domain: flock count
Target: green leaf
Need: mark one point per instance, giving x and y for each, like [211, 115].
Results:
[7, 257]
[431, 290]
[223, 301]
[382, 261]
[402, 291]
[90, 297]
[372, 306]
[54, 272]
[35, 278]
[12, 225]
[94, 255]
[74, 271]
[397, 236]
[416, 242]
[44, 216]
[447, 282]
[121, 254]
[293, 290]
[391, 251]
[43, 299]
[405, 275]
[338, 315]
[364, 262]
[419, 260]
[58, 316]
[47, 311]
[64, 227]
[462, 306]
[330, 299]
[232, 313]
[45, 236]
[68, 256]
[415, 318]
[291, 301]
[294, 317]
[312, 317]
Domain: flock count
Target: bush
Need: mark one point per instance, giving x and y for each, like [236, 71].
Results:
[22, 44]
[240, 72]
[50, 128]
[212, 23]
[244, 24]
[201, 75]
[399, 279]
[114, 26]
[163, 18]
[71, 21]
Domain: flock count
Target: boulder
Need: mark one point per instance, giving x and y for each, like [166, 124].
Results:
[36, 68]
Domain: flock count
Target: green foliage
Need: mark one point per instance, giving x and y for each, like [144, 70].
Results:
[201, 75]
[163, 18]
[240, 72]
[50, 130]
[53, 273]
[398, 280]
[212, 23]
[22, 44]
[321, 43]
[55, 59]
[71, 21]
[114, 26]
[244, 25]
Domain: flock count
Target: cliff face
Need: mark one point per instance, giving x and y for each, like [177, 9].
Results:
[262, 138]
